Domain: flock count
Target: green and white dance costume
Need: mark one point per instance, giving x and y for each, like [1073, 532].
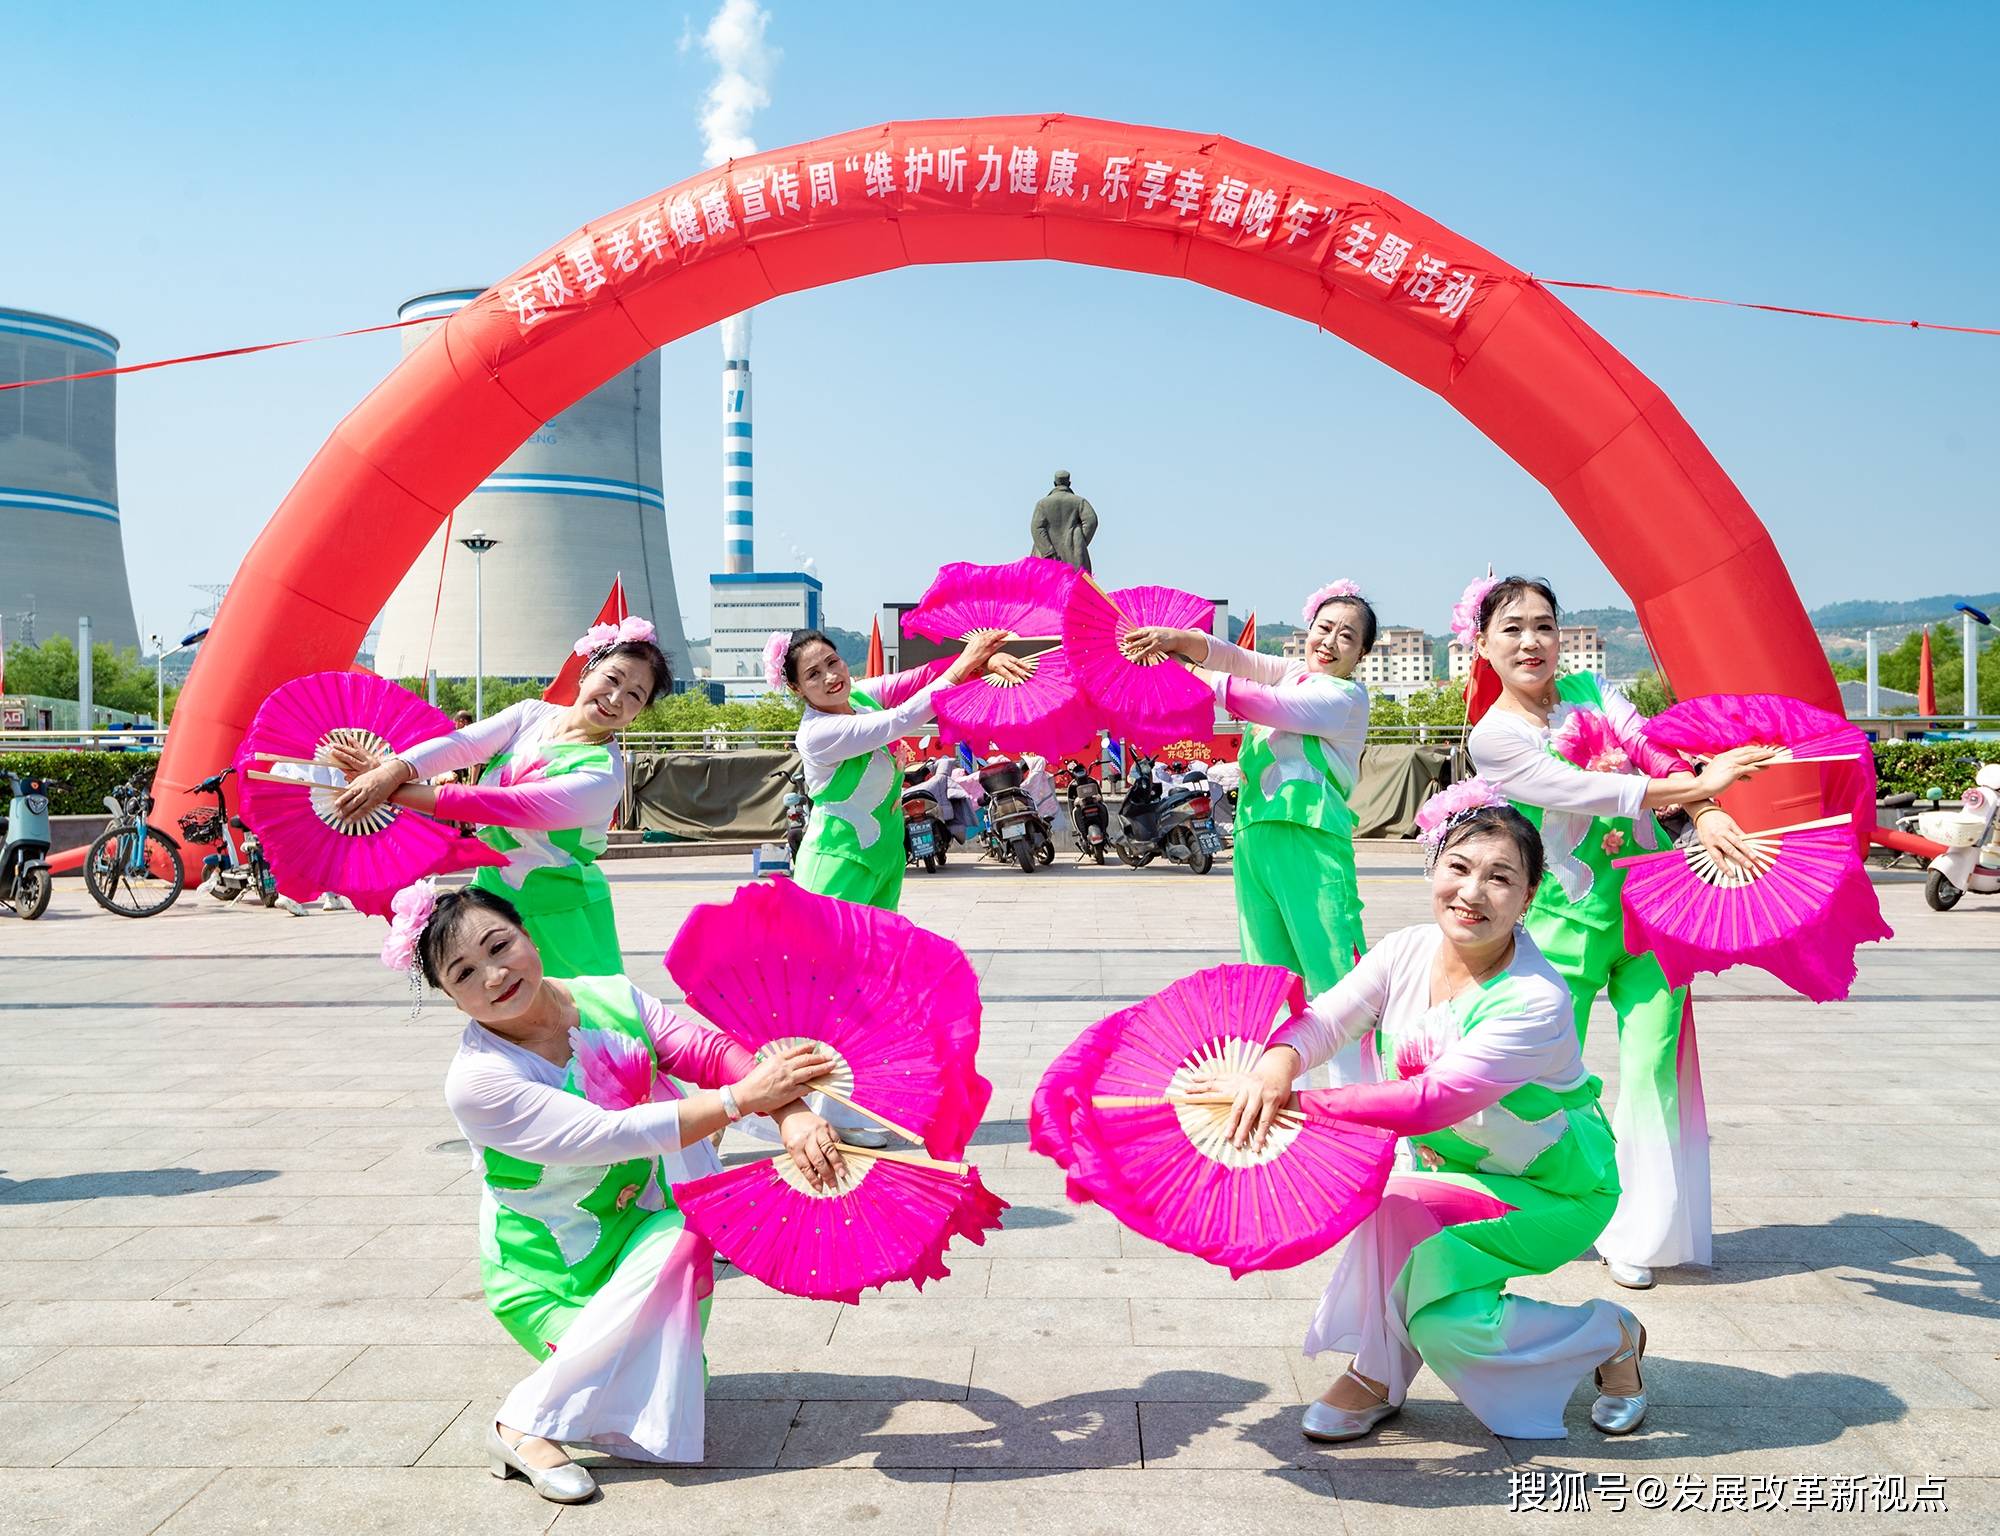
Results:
[1298, 903]
[1518, 1177]
[1664, 1217]
[584, 1258]
[853, 847]
[546, 805]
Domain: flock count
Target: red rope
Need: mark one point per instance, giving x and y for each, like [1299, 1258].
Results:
[204, 357]
[1776, 309]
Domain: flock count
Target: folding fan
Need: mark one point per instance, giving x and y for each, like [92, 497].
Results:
[1798, 912]
[1047, 714]
[1024, 598]
[290, 783]
[1115, 1110]
[889, 1218]
[896, 1007]
[1150, 703]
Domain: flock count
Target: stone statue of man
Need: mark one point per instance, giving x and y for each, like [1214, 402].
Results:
[1064, 524]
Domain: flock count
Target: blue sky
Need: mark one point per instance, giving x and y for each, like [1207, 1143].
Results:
[205, 176]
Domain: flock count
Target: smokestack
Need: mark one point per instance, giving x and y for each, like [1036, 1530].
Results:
[739, 546]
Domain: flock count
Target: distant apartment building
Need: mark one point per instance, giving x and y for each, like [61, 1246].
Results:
[1399, 665]
[1579, 648]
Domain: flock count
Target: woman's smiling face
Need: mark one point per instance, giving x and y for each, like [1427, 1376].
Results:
[1520, 642]
[1479, 889]
[823, 679]
[491, 968]
[1333, 644]
[612, 693]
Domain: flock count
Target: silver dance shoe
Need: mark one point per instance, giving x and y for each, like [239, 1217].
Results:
[566, 1484]
[1621, 1402]
[1634, 1277]
[1325, 1422]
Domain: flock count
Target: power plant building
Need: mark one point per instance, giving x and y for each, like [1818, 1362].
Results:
[577, 504]
[59, 521]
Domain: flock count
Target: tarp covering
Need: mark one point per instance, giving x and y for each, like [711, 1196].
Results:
[1394, 781]
[708, 796]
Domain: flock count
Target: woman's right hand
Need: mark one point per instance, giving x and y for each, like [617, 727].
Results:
[370, 789]
[780, 1077]
[1149, 640]
[1726, 768]
[978, 654]
[1257, 1096]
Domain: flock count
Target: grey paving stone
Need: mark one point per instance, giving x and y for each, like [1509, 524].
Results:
[403, 1320]
[42, 1434]
[270, 1434]
[441, 1501]
[984, 1321]
[1133, 1503]
[171, 1373]
[788, 1501]
[297, 1279]
[1144, 1277]
[1134, 1373]
[740, 1435]
[933, 1372]
[127, 1322]
[983, 1433]
[110, 1501]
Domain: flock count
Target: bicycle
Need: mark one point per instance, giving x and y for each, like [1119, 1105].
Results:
[133, 868]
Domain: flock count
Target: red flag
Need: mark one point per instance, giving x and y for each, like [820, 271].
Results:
[1248, 639]
[874, 666]
[614, 611]
[1926, 679]
[1482, 688]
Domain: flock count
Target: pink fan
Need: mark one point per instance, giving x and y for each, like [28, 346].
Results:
[890, 1218]
[1716, 722]
[1047, 714]
[1148, 703]
[289, 784]
[896, 1007]
[1024, 598]
[1114, 1110]
[1799, 913]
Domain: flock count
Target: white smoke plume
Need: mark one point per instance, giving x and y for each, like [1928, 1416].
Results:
[743, 61]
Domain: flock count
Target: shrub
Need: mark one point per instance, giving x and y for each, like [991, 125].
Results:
[1915, 766]
[86, 777]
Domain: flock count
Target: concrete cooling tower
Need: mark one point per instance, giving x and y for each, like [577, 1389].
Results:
[577, 504]
[62, 551]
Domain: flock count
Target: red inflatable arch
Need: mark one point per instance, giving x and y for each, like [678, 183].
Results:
[1713, 596]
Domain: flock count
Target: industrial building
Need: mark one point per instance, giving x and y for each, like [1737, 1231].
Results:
[744, 607]
[59, 521]
[576, 505]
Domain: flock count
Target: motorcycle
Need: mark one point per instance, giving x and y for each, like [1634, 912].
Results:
[1014, 829]
[231, 872]
[25, 881]
[1171, 820]
[1089, 822]
[1971, 838]
[924, 839]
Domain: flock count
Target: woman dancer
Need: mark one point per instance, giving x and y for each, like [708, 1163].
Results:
[853, 846]
[584, 1257]
[1297, 901]
[1484, 1073]
[553, 780]
[1586, 816]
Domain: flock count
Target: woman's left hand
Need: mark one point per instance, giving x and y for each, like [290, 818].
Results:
[1150, 640]
[814, 1147]
[1009, 668]
[1255, 1096]
[1721, 836]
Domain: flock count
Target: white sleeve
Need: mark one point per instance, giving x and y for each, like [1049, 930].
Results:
[1251, 666]
[1516, 763]
[539, 1123]
[475, 744]
[825, 741]
[1347, 1010]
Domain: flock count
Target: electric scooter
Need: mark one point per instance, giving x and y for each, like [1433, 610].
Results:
[1971, 839]
[25, 881]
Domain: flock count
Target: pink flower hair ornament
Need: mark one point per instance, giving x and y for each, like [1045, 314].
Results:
[1465, 612]
[1445, 809]
[410, 909]
[630, 630]
[1325, 595]
[774, 659]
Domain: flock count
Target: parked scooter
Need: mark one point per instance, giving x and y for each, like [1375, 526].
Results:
[1971, 839]
[924, 838]
[25, 881]
[797, 808]
[231, 872]
[1089, 822]
[1014, 829]
[1171, 820]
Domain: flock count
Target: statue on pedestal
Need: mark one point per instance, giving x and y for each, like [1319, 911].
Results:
[1064, 524]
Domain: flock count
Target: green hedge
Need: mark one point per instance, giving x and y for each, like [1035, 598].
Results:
[1916, 766]
[86, 777]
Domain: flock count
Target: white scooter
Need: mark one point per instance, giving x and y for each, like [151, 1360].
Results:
[1971, 838]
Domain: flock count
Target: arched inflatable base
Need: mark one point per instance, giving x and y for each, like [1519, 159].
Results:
[1712, 594]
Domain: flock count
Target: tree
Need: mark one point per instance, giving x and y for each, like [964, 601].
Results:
[118, 679]
[1899, 668]
[1650, 693]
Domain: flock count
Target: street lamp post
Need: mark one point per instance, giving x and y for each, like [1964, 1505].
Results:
[160, 655]
[1971, 660]
[478, 542]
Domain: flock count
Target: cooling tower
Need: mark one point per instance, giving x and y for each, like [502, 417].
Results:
[62, 552]
[577, 504]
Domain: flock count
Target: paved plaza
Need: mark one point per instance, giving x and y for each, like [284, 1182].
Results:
[238, 1288]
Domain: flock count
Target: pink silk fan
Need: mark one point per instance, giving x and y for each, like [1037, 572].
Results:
[289, 785]
[1114, 1113]
[895, 1006]
[890, 1218]
[1023, 598]
[1799, 913]
[1047, 714]
[1153, 703]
